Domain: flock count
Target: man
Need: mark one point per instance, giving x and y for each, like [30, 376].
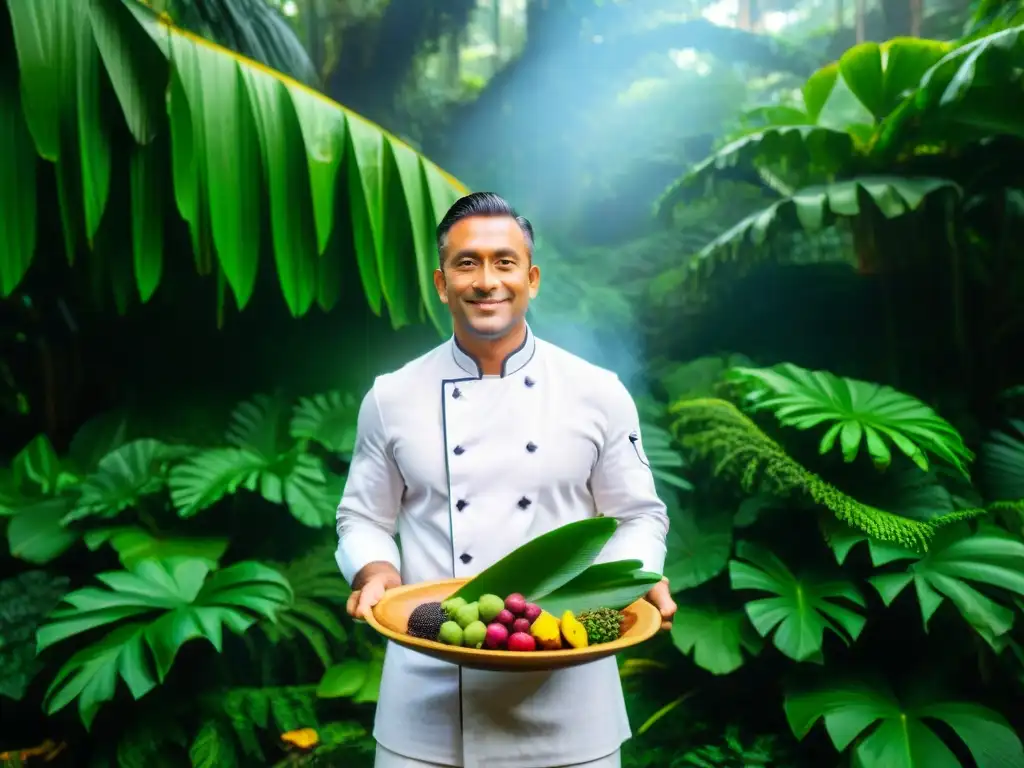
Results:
[483, 443]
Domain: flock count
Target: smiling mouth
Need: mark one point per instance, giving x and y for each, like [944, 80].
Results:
[488, 302]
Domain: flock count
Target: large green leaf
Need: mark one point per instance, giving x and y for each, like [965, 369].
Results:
[715, 638]
[123, 477]
[901, 736]
[264, 460]
[607, 585]
[856, 412]
[318, 600]
[801, 607]
[170, 602]
[232, 134]
[954, 569]
[545, 563]
[970, 93]
[17, 190]
[329, 419]
[699, 542]
[717, 431]
[134, 544]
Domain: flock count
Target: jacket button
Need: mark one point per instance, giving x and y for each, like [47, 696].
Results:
[456, 393]
[531, 447]
[524, 503]
[465, 558]
[458, 450]
[461, 504]
[528, 381]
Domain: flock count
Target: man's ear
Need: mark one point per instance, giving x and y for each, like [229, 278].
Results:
[441, 285]
[534, 280]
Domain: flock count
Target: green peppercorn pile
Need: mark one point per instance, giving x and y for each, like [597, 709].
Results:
[602, 624]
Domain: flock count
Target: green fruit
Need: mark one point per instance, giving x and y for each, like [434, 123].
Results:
[450, 634]
[452, 604]
[467, 614]
[490, 607]
[473, 635]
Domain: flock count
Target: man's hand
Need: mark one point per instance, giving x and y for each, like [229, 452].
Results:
[661, 598]
[369, 587]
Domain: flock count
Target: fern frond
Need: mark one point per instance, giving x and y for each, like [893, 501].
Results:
[718, 431]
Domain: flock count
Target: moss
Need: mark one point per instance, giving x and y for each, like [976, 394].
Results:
[717, 431]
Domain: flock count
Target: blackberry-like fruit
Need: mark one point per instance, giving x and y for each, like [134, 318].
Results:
[425, 621]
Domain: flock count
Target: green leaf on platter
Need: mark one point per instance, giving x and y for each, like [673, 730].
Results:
[801, 608]
[605, 585]
[716, 638]
[903, 736]
[957, 565]
[545, 563]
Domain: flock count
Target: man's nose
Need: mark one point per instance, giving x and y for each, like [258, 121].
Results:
[486, 279]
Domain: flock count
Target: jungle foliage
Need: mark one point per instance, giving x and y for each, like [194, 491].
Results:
[846, 547]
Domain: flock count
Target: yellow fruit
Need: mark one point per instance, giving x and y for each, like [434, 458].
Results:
[546, 632]
[573, 631]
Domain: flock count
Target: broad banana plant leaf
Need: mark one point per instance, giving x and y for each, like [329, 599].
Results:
[809, 210]
[903, 736]
[886, 106]
[252, 28]
[145, 126]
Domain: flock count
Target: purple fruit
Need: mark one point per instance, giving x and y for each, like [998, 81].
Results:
[516, 603]
[521, 625]
[532, 612]
[520, 641]
[505, 617]
[497, 635]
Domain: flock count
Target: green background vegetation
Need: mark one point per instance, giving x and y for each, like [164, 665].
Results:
[793, 230]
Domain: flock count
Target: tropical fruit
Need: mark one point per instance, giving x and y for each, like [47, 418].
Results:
[511, 623]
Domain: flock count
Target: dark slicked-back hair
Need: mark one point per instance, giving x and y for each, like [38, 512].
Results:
[480, 204]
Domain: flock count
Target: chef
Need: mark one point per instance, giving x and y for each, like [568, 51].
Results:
[467, 452]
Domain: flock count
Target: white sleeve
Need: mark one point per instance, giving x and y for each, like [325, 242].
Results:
[623, 487]
[368, 513]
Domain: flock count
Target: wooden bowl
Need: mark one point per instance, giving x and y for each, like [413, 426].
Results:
[390, 618]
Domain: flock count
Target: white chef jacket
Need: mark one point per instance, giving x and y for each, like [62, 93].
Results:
[466, 468]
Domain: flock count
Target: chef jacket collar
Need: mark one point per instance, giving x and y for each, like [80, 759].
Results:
[514, 362]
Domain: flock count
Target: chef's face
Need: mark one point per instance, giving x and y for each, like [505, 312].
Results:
[487, 278]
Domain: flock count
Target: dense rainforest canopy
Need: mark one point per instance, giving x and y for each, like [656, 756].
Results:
[791, 228]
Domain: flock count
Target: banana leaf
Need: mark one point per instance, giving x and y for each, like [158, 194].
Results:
[543, 564]
[608, 585]
[113, 97]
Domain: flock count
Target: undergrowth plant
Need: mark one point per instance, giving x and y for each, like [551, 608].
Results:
[836, 542]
